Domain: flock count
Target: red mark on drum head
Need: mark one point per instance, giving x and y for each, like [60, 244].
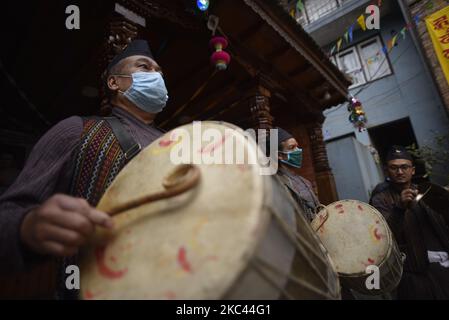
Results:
[165, 143]
[241, 167]
[170, 295]
[211, 147]
[103, 269]
[370, 260]
[377, 234]
[340, 208]
[89, 295]
[182, 260]
[360, 207]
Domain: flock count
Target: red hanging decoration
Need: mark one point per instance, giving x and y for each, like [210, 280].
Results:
[220, 58]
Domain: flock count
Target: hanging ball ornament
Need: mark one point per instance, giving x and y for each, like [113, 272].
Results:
[220, 58]
[357, 114]
[352, 118]
[359, 111]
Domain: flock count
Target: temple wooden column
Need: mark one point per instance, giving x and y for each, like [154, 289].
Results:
[120, 33]
[259, 103]
[327, 190]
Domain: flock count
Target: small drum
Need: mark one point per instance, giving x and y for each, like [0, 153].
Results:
[236, 235]
[357, 236]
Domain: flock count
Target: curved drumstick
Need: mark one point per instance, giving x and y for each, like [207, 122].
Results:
[181, 179]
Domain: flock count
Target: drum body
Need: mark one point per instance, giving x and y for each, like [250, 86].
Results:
[234, 236]
[361, 245]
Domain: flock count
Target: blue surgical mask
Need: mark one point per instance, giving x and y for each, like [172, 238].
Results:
[148, 91]
[294, 158]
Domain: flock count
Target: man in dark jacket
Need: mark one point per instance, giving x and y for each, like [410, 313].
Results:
[419, 232]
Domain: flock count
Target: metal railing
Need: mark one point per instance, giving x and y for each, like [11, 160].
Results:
[313, 9]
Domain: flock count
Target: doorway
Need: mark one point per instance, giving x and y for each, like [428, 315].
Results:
[398, 132]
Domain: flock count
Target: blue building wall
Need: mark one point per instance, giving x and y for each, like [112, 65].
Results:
[407, 92]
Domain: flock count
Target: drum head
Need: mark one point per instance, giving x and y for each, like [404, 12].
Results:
[355, 234]
[192, 246]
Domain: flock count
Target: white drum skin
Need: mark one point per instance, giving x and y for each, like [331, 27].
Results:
[357, 236]
[204, 244]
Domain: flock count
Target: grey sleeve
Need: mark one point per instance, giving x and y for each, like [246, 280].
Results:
[37, 181]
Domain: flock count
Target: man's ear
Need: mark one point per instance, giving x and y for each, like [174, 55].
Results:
[413, 170]
[281, 155]
[112, 83]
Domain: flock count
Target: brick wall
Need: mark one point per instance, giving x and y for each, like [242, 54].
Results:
[424, 9]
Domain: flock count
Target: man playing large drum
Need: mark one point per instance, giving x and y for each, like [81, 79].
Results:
[49, 211]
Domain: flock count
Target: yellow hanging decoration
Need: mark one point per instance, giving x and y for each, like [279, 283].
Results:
[361, 21]
[340, 41]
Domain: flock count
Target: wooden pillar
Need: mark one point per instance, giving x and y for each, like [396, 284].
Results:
[327, 190]
[120, 33]
[259, 103]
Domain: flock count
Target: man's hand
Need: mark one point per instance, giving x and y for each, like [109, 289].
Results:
[61, 225]
[407, 197]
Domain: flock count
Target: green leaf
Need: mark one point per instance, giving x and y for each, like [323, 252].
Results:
[300, 5]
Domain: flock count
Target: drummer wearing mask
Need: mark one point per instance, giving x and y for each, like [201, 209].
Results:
[290, 160]
[420, 235]
[50, 209]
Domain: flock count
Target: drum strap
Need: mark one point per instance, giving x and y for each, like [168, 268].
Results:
[126, 141]
[104, 149]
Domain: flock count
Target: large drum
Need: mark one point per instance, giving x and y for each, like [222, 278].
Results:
[236, 235]
[359, 241]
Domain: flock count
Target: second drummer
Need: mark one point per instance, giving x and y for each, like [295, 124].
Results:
[290, 159]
